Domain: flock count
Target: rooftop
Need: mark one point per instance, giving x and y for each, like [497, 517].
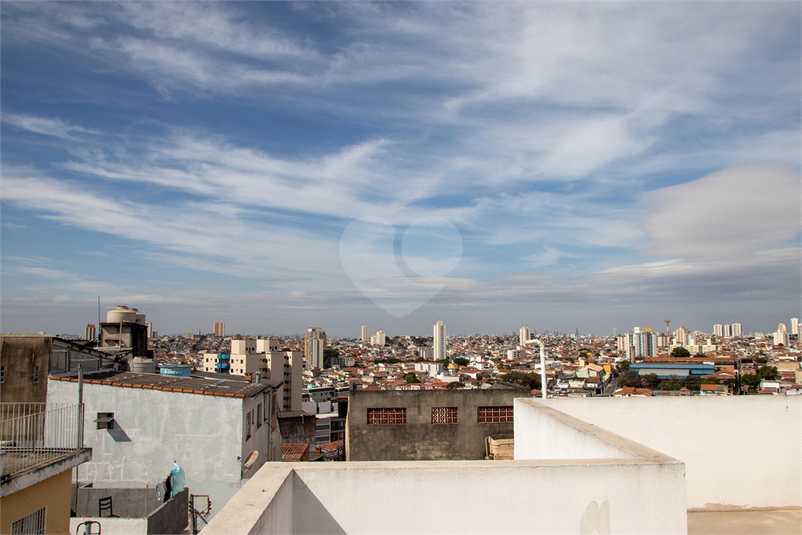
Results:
[172, 383]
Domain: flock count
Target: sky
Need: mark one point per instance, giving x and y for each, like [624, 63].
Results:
[279, 166]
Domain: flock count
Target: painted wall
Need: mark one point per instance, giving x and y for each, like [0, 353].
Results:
[53, 493]
[412, 496]
[739, 451]
[204, 434]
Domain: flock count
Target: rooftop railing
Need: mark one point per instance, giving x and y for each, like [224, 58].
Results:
[33, 435]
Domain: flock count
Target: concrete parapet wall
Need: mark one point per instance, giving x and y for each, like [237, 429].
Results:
[739, 451]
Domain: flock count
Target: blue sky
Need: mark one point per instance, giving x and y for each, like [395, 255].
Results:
[279, 166]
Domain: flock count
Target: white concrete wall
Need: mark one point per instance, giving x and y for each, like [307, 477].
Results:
[153, 428]
[540, 436]
[739, 451]
[434, 496]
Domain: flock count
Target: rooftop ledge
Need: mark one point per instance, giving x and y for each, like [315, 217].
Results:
[608, 484]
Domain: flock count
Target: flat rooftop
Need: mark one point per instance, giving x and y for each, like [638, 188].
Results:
[172, 383]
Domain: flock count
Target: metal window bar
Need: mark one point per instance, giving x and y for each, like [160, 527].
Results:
[36, 434]
[495, 414]
[33, 524]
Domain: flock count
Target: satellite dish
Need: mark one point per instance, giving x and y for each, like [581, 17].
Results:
[250, 461]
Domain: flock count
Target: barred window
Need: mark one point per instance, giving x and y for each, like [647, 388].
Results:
[33, 524]
[444, 415]
[487, 415]
[387, 416]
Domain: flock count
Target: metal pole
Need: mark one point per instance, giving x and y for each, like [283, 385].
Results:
[80, 406]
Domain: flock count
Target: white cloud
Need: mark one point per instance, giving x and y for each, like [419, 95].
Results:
[45, 126]
[726, 214]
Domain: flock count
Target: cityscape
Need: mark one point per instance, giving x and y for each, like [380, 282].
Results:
[336, 267]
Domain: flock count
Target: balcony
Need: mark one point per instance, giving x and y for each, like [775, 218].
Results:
[38, 440]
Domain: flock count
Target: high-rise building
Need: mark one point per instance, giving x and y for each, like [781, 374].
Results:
[365, 333]
[90, 332]
[682, 336]
[439, 341]
[641, 343]
[219, 329]
[314, 345]
[718, 329]
[524, 335]
[795, 326]
[781, 337]
[727, 331]
[378, 339]
[737, 330]
[782, 327]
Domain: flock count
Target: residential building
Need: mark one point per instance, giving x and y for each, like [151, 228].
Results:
[795, 326]
[89, 332]
[439, 341]
[314, 345]
[641, 343]
[26, 360]
[138, 424]
[378, 339]
[524, 335]
[41, 445]
[427, 425]
[682, 336]
[718, 329]
[737, 330]
[782, 327]
[219, 329]
[365, 333]
[781, 337]
[125, 330]
[728, 331]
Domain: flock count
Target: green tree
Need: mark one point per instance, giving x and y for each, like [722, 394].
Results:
[328, 354]
[461, 361]
[680, 353]
[630, 378]
[623, 366]
[751, 379]
[529, 380]
[651, 380]
[452, 386]
[761, 360]
[672, 384]
[767, 372]
[411, 378]
[710, 381]
[693, 382]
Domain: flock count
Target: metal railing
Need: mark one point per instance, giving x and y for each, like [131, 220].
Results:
[37, 434]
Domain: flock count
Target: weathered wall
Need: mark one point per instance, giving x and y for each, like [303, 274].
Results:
[298, 430]
[739, 451]
[171, 517]
[18, 355]
[154, 428]
[419, 439]
[53, 493]
[127, 503]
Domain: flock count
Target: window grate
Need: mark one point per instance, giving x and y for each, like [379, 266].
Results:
[387, 416]
[33, 524]
[489, 415]
[444, 415]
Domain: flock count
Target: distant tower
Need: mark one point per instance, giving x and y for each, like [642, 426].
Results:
[314, 344]
[524, 335]
[365, 333]
[378, 339]
[737, 330]
[782, 327]
[795, 326]
[718, 329]
[728, 331]
[439, 341]
[90, 332]
[219, 329]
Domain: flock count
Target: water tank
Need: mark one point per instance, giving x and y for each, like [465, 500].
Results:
[121, 314]
[180, 370]
[140, 318]
[143, 365]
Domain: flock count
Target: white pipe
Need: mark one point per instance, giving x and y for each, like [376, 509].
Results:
[542, 364]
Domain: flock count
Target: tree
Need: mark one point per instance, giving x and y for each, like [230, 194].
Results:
[328, 354]
[651, 380]
[630, 378]
[767, 372]
[529, 380]
[461, 361]
[623, 366]
[452, 386]
[680, 353]
[672, 384]
[411, 378]
[693, 382]
[751, 380]
[710, 381]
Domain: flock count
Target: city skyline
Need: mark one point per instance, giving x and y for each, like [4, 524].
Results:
[601, 166]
